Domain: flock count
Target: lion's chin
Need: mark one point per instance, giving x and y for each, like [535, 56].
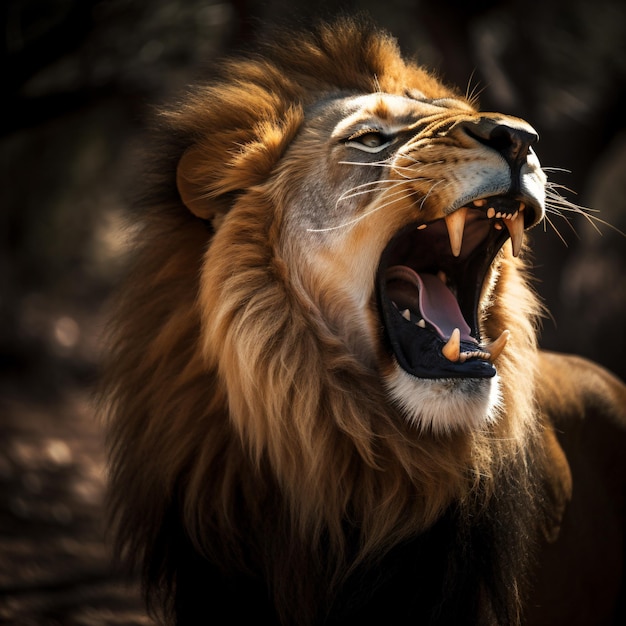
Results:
[445, 405]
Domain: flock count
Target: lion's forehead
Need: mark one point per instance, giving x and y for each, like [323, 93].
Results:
[395, 112]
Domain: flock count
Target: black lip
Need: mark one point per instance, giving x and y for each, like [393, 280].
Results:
[418, 350]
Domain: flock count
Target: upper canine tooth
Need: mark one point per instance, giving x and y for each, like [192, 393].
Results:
[495, 347]
[452, 349]
[480, 202]
[516, 230]
[456, 223]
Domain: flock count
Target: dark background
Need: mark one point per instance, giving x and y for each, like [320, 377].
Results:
[80, 80]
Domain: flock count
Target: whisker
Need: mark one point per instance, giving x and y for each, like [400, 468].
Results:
[557, 208]
[410, 157]
[412, 171]
[558, 205]
[474, 94]
[373, 164]
[412, 175]
[556, 169]
[373, 183]
[429, 192]
[552, 187]
[566, 218]
[556, 230]
[397, 168]
[556, 201]
[355, 191]
[407, 192]
[593, 221]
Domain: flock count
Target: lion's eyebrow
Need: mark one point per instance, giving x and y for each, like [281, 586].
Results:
[372, 123]
[446, 101]
[415, 94]
[393, 112]
[382, 110]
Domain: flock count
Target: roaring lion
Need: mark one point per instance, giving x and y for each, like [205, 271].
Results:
[326, 400]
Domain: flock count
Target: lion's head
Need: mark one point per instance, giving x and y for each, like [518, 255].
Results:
[391, 201]
[329, 305]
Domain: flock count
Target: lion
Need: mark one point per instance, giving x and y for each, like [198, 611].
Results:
[326, 402]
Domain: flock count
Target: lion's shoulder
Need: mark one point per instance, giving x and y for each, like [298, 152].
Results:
[586, 406]
[573, 389]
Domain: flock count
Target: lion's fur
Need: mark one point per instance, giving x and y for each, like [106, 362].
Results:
[236, 407]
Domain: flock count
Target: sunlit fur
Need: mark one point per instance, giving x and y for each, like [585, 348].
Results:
[233, 397]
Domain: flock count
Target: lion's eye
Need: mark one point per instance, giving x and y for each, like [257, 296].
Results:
[369, 140]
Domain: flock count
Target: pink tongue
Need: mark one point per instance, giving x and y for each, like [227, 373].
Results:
[437, 304]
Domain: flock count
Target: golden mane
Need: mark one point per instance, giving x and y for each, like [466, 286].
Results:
[228, 388]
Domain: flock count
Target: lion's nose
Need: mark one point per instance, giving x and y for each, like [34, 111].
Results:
[511, 137]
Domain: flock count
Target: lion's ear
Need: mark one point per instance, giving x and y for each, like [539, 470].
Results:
[193, 193]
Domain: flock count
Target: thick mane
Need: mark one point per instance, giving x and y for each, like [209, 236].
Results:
[226, 383]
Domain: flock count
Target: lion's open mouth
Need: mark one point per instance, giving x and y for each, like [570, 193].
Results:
[429, 287]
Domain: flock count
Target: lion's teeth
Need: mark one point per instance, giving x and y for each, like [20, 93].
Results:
[441, 275]
[456, 224]
[494, 349]
[421, 323]
[480, 202]
[406, 314]
[516, 230]
[522, 206]
[491, 212]
[452, 349]
[476, 354]
[422, 226]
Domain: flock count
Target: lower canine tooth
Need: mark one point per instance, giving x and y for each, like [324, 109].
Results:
[421, 324]
[406, 314]
[495, 347]
[452, 349]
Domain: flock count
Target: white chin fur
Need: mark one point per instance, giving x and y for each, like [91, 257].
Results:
[444, 405]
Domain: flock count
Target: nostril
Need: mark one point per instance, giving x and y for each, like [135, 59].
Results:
[512, 143]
